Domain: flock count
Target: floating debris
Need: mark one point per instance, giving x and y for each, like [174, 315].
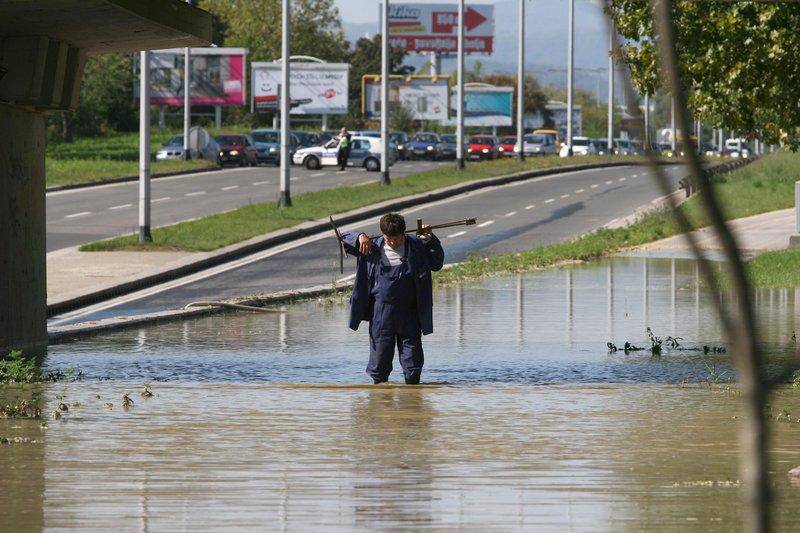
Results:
[127, 402]
[147, 393]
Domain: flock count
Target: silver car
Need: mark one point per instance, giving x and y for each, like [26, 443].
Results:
[538, 144]
[364, 152]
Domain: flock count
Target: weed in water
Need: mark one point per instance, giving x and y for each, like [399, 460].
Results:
[146, 393]
[612, 348]
[21, 409]
[655, 342]
[127, 402]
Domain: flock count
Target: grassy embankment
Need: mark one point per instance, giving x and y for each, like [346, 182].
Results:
[766, 185]
[216, 231]
[95, 159]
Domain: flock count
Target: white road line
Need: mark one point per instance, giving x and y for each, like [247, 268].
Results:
[456, 234]
[579, 191]
[609, 182]
[487, 223]
[529, 207]
[260, 182]
[295, 178]
[565, 196]
[511, 213]
[622, 179]
[594, 186]
[164, 199]
[318, 174]
[198, 193]
[550, 200]
[230, 188]
[635, 176]
[123, 206]
[81, 214]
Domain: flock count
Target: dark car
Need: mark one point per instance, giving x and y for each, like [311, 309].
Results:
[306, 139]
[424, 146]
[268, 145]
[238, 149]
[400, 139]
[482, 147]
[448, 146]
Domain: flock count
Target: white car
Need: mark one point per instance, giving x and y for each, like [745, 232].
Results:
[580, 146]
[364, 152]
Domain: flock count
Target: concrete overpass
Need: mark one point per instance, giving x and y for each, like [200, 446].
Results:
[43, 48]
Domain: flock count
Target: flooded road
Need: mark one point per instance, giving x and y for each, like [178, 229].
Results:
[263, 422]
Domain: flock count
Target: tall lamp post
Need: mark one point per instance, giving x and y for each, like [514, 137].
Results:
[570, 57]
[385, 179]
[611, 89]
[460, 98]
[144, 147]
[187, 101]
[285, 197]
[521, 81]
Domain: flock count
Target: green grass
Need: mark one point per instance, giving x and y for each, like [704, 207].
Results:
[765, 185]
[69, 172]
[215, 231]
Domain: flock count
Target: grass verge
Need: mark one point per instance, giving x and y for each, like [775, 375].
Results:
[74, 171]
[215, 231]
[765, 185]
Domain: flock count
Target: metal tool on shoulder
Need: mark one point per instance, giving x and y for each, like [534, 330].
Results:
[421, 229]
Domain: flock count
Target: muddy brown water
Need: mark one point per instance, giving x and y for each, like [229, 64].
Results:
[264, 422]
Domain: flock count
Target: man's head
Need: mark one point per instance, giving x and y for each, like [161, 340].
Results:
[343, 131]
[393, 227]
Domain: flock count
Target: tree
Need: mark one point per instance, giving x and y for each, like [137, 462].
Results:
[738, 61]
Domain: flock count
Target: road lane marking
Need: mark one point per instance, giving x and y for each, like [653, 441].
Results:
[622, 179]
[81, 214]
[456, 234]
[511, 213]
[565, 196]
[231, 187]
[318, 174]
[260, 182]
[595, 186]
[487, 223]
[635, 176]
[198, 193]
[579, 191]
[609, 182]
[164, 199]
[550, 200]
[529, 207]
[123, 206]
[295, 178]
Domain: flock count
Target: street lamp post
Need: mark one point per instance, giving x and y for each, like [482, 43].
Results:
[672, 130]
[285, 197]
[611, 89]
[521, 81]
[144, 148]
[647, 122]
[187, 102]
[385, 180]
[460, 99]
[570, 57]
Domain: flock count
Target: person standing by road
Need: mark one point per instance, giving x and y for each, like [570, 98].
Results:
[344, 149]
[393, 292]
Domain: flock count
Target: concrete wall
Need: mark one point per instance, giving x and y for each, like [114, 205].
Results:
[23, 295]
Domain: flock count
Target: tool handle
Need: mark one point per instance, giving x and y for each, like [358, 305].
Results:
[465, 222]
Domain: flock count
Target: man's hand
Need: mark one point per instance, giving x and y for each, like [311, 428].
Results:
[426, 234]
[364, 244]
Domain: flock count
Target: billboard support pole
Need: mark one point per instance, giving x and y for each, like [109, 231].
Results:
[324, 121]
[570, 57]
[285, 198]
[647, 141]
[187, 104]
[460, 102]
[521, 82]
[385, 179]
[610, 139]
[144, 148]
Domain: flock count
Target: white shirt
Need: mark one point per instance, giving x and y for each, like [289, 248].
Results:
[390, 256]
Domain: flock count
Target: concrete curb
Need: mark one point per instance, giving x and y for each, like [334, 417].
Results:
[126, 179]
[263, 242]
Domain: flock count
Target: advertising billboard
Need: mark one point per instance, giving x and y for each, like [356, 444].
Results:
[315, 88]
[485, 106]
[558, 114]
[425, 97]
[218, 77]
[434, 27]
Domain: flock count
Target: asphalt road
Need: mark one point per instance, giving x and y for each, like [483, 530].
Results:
[79, 216]
[512, 217]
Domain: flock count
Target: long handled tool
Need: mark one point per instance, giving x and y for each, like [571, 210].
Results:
[421, 229]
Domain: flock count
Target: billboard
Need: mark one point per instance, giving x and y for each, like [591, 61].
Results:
[485, 106]
[434, 27]
[558, 114]
[425, 97]
[218, 76]
[315, 88]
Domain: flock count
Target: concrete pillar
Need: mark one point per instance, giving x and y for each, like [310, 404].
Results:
[23, 291]
[218, 116]
[794, 240]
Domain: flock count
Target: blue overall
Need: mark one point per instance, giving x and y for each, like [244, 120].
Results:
[395, 321]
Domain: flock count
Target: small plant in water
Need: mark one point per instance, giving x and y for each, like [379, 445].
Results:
[796, 379]
[146, 393]
[127, 402]
[655, 342]
[612, 348]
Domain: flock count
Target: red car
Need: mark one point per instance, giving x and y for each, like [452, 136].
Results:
[507, 145]
[237, 149]
[482, 147]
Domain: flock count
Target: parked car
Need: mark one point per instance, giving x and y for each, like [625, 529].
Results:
[268, 144]
[600, 145]
[364, 152]
[306, 138]
[238, 149]
[482, 147]
[537, 144]
[507, 145]
[400, 139]
[736, 148]
[424, 145]
[580, 146]
[326, 136]
[448, 145]
[202, 146]
[625, 147]
[556, 137]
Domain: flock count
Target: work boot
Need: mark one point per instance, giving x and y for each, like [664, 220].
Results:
[377, 381]
[412, 380]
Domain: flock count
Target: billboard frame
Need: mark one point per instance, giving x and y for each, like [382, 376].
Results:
[312, 64]
[376, 78]
[433, 27]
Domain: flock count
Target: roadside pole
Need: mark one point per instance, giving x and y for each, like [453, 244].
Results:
[672, 131]
[521, 81]
[570, 57]
[699, 138]
[187, 104]
[385, 179]
[611, 89]
[647, 142]
[144, 147]
[285, 198]
[460, 97]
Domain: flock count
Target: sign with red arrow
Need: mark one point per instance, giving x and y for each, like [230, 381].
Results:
[434, 27]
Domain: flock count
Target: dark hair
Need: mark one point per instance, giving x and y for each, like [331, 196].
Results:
[393, 225]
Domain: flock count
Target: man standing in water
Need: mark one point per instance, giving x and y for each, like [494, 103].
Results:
[344, 149]
[393, 292]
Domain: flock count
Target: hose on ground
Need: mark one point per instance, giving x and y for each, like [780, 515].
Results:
[229, 305]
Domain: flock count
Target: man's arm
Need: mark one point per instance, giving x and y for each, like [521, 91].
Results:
[357, 243]
[434, 251]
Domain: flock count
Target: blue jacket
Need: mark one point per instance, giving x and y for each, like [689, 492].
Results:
[423, 258]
